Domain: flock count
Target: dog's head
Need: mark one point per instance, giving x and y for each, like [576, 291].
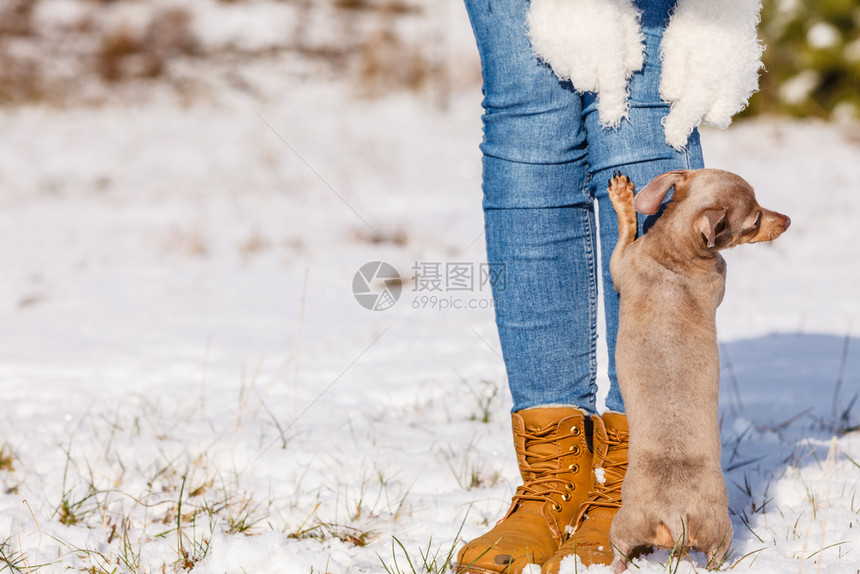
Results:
[717, 208]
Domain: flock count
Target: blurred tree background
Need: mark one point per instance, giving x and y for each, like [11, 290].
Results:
[812, 59]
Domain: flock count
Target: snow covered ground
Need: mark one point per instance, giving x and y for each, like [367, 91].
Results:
[189, 383]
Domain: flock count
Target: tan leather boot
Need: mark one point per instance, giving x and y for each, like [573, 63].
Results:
[554, 461]
[590, 537]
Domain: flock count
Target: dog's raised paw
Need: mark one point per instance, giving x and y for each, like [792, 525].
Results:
[620, 189]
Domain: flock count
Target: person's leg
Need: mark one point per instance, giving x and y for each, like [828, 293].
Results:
[638, 150]
[539, 216]
[540, 227]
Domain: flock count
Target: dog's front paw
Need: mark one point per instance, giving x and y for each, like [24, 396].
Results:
[621, 194]
[620, 189]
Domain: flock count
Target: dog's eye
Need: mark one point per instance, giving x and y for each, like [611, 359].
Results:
[757, 221]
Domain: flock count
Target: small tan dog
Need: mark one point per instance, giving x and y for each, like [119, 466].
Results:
[671, 281]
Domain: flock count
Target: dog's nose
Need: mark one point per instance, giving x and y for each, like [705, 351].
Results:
[786, 223]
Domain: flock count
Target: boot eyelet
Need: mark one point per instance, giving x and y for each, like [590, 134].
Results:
[570, 486]
[575, 431]
[574, 468]
[556, 507]
[575, 450]
[566, 497]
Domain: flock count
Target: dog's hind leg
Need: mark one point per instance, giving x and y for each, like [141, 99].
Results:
[629, 532]
[715, 539]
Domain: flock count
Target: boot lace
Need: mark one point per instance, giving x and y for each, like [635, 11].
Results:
[606, 494]
[544, 469]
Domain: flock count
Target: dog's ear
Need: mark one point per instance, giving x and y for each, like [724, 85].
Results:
[650, 197]
[708, 223]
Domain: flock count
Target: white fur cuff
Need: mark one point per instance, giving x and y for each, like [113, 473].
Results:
[711, 60]
[580, 40]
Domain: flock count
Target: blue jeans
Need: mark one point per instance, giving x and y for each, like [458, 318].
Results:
[546, 160]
